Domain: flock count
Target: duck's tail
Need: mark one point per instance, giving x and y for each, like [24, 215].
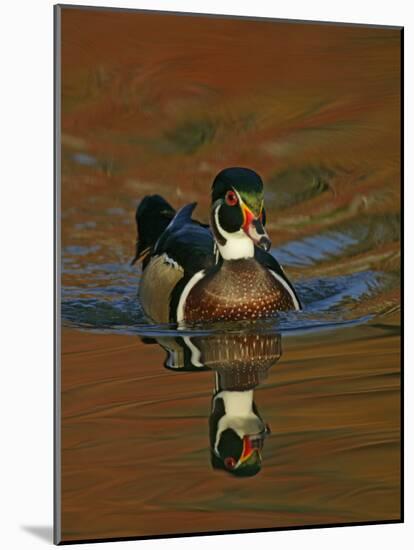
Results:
[152, 216]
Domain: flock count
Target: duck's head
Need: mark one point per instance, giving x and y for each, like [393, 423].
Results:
[237, 213]
[239, 454]
[237, 433]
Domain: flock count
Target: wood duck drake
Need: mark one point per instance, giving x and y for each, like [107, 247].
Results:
[196, 273]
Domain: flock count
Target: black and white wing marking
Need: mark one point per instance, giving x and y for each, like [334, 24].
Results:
[189, 245]
[269, 261]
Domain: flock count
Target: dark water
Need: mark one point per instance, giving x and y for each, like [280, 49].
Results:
[161, 106]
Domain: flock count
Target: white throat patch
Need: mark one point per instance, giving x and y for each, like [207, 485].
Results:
[239, 415]
[238, 245]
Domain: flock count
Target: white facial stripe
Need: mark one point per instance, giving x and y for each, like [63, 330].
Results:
[242, 203]
[218, 226]
[238, 196]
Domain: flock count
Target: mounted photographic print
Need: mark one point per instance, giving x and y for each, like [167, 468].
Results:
[228, 274]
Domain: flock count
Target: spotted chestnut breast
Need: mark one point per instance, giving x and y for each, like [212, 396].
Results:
[239, 290]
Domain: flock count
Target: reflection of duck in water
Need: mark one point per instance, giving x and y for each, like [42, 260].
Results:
[241, 361]
[237, 431]
[194, 273]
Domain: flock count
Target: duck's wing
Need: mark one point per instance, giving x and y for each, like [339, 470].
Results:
[187, 243]
[267, 260]
[185, 248]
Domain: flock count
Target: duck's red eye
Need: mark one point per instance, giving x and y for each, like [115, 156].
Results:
[231, 198]
[230, 462]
